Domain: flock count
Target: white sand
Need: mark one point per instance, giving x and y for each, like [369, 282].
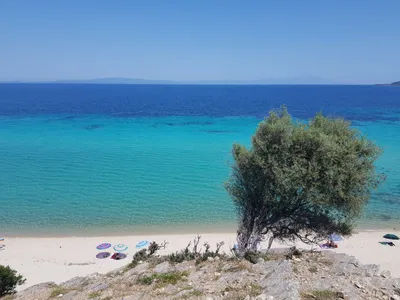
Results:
[62, 258]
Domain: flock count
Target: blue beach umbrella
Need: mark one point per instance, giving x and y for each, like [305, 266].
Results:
[1, 239]
[142, 244]
[120, 247]
[336, 238]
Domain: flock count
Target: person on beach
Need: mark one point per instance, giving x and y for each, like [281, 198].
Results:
[331, 244]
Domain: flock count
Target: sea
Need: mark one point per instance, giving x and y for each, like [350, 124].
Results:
[79, 159]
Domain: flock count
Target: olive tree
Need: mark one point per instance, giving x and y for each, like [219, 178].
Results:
[301, 181]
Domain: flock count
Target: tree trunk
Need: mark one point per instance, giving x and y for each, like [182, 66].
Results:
[271, 240]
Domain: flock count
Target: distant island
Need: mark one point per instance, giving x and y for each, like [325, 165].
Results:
[396, 83]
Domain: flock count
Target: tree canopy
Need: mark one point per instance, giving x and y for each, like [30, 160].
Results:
[301, 181]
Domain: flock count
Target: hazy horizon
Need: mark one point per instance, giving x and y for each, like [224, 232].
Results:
[122, 80]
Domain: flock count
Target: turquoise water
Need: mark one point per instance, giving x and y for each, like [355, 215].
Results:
[151, 165]
[129, 173]
[137, 174]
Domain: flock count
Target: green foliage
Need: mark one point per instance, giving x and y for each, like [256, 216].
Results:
[301, 181]
[163, 279]
[137, 257]
[146, 254]
[9, 279]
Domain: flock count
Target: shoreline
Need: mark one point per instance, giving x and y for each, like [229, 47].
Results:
[184, 229]
[59, 259]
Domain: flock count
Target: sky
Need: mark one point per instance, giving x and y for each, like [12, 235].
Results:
[338, 41]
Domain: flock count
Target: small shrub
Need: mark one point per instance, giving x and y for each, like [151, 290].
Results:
[145, 280]
[162, 279]
[320, 295]
[255, 289]
[145, 254]
[9, 279]
[93, 295]
[57, 291]
[313, 269]
[253, 256]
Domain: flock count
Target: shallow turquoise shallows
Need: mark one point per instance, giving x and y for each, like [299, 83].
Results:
[130, 175]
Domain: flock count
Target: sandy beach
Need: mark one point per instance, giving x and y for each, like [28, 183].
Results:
[61, 258]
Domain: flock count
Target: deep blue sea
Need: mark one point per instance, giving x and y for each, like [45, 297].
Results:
[95, 159]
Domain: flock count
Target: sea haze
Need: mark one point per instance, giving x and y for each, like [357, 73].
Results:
[90, 159]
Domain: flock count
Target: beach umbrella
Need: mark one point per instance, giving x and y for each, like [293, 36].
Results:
[391, 236]
[142, 244]
[103, 246]
[118, 256]
[1, 239]
[103, 255]
[336, 238]
[120, 247]
[2, 247]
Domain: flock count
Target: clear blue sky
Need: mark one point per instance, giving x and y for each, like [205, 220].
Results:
[354, 41]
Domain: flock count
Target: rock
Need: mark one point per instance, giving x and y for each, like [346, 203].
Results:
[137, 296]
[247, 297]
[139, 269]
[385, 274]
[76, 282]
[186, 266]
[70, 296]
[260, 260]
[226, 268]
[98, 287]
[395, 297]
[210, 258]
[371, 270]
[163, 268]
[279, 280]
[38, 292]
[358, 285]
[340, 295]
[264, 297]
[217, 258]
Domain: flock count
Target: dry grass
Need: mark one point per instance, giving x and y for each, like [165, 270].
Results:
[313, 269]
[242, 265]
[94, 295]
[57, 291]
[320, 295]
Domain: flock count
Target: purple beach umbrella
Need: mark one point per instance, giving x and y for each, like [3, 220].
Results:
[103, 246]
[103, 255]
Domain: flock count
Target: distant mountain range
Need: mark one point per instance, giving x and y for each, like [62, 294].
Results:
[115, 81]
[294, 80]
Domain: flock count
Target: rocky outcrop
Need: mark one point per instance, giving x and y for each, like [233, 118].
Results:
[313, 275]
